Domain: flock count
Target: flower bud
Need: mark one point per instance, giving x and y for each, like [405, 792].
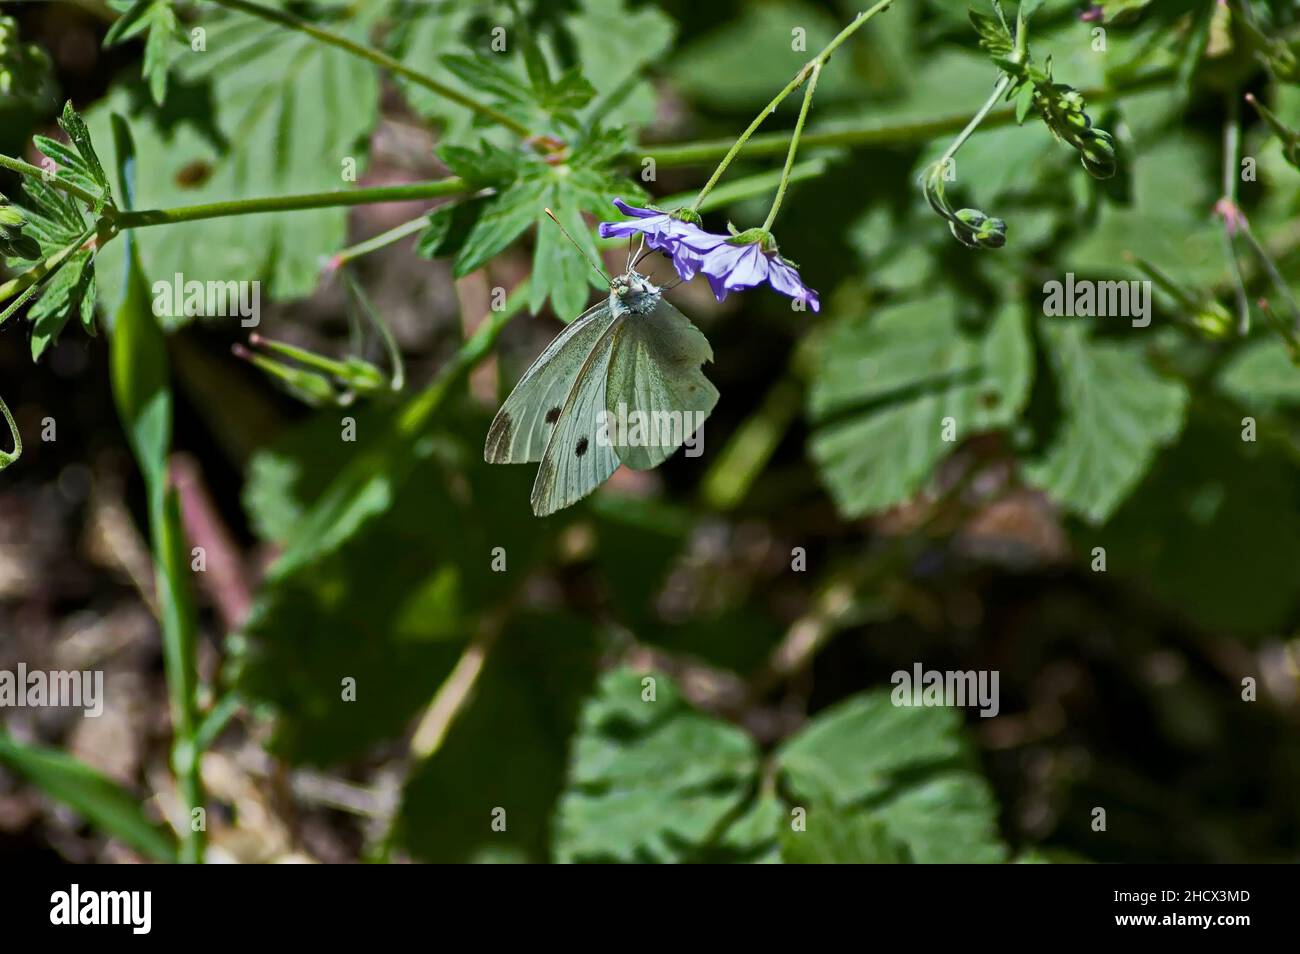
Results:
[981, 231]
[1213, 320]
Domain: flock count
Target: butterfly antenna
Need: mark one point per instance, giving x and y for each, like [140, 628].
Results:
[640, 257]
[600, 271]
[631, 254]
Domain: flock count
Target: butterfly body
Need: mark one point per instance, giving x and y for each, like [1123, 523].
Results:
[633, 357]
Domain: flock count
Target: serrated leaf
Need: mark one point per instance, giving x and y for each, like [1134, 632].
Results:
[159, 48]
[63, 294]
[905, 769]
[72, 124]
[560, 273]
[488, 75]
[264, 111]
[885, 383]
[1117, 414]
[833, 836]
[486, 166]
[450, 226]
[159, 19]
[70, 167]
[503, 221]
[100, 800]
[649, 781]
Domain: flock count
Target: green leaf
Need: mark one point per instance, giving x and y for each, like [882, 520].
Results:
[524, 708]
[560, 273]
[1208, 501]
[70, 167]
[615, 43]
[159, 19]
[486, 166]
[72, 124]
[101, 801]
[1117, 414]
[1262, 376]
[423, 32]
[356, 605]
[264, 111]
[450, 226]
[141, 382]
[72, 288]
[907, 770]
[649, 780]
[503, 221]
[743, 61]
[833, 836]
[885, 383]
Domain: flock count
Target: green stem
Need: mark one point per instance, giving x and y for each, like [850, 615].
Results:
[999, 88]
[747, 187]
[794, 147]
[380, 59]
[27, 169]
[383, 240]
[1231, 152]
[1004, 80]
[7, 458]
[434, 189]
[790, 87]
[877, 133]
[29, 282]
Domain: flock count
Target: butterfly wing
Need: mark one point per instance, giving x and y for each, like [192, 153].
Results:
[576, 462]
[526, 420]
[657, 374]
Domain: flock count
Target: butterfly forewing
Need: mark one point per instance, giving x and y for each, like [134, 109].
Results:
[521, 429]
[576, 462]
[656, 374]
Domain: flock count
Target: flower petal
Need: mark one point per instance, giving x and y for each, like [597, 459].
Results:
[634, 211]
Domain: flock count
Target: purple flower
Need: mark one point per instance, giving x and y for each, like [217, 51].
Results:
[729, 265]
[731, 268]
[663, 232]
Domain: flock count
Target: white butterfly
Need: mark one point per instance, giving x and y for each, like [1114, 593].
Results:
[634, 350]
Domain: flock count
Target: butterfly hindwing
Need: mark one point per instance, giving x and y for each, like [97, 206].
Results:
[575, 463]
[521, 429]
[657, 375]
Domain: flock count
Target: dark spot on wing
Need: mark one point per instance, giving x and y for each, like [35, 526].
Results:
[552, 415]
[582, 446]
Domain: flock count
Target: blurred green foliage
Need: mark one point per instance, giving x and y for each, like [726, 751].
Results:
[1121, 689]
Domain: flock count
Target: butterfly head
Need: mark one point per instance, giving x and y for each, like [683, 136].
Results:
[635, 293]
